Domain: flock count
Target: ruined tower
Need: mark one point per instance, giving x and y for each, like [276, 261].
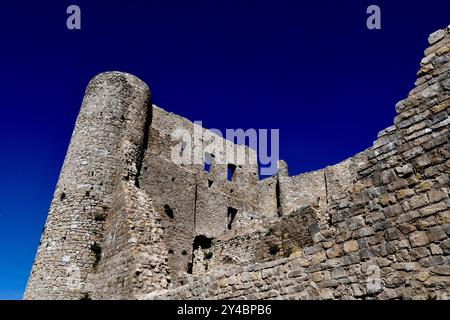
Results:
[127, 222]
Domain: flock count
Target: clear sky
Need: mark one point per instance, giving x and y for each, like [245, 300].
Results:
[309, 68]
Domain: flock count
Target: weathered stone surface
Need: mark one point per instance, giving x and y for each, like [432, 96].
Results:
[424, 186]
[350, 246]
[422, 276]
[436, 249]
[418, 238]
[446, 85]
[418, 201]
[407, 228]
[437, 233]
[406, 266]
[127, 222]
[392, 234]
[437, 195]
[338, 273]
[404, 170]
[418, 253]
[433, 208]
[334, 251]
[431, 261]
[436, 36]
[319, 257]
[343, 236]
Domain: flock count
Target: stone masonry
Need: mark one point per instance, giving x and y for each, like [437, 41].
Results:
[127, 222]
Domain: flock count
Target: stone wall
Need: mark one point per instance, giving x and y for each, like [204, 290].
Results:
[190, 201]
[270, 240]
[387, 226]
[129, 222]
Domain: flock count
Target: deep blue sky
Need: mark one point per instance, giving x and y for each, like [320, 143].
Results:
[309, 68]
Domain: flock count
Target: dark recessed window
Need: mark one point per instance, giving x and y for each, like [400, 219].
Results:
[169, 211]
[230, 216]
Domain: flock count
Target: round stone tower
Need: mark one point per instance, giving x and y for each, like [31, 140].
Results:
[107, 144]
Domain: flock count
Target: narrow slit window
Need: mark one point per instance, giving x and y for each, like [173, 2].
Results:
[231, 169]
[230, 216]
[277, 192]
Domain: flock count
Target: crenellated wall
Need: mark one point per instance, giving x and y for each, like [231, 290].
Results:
[128, 222]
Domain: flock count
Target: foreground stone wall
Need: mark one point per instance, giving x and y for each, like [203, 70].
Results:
[270, 240]
[127, 222]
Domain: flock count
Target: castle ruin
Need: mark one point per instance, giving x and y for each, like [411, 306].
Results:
[126, 222]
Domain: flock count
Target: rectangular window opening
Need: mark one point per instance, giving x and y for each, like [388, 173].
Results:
[208, 161]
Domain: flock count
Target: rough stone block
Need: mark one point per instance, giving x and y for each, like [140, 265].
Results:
[422, 276]
[406, 266]
[367, 254]
[418, 239]
[338, 273]
[393, 211]
[350, 246]
[387, 207]
[436, 249]
[433, 208]
[443, 270]
[363, 232]
[405, 170]
[350, 259]
[317, 276]
[422, 161]
[431, 261]
[318, 257]
[424, 186]
[436, 233]
[334, 251]
[343, 236]
[392, 234]
[437, 195]
[418, 201]
[407, 228]
[386, 248]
